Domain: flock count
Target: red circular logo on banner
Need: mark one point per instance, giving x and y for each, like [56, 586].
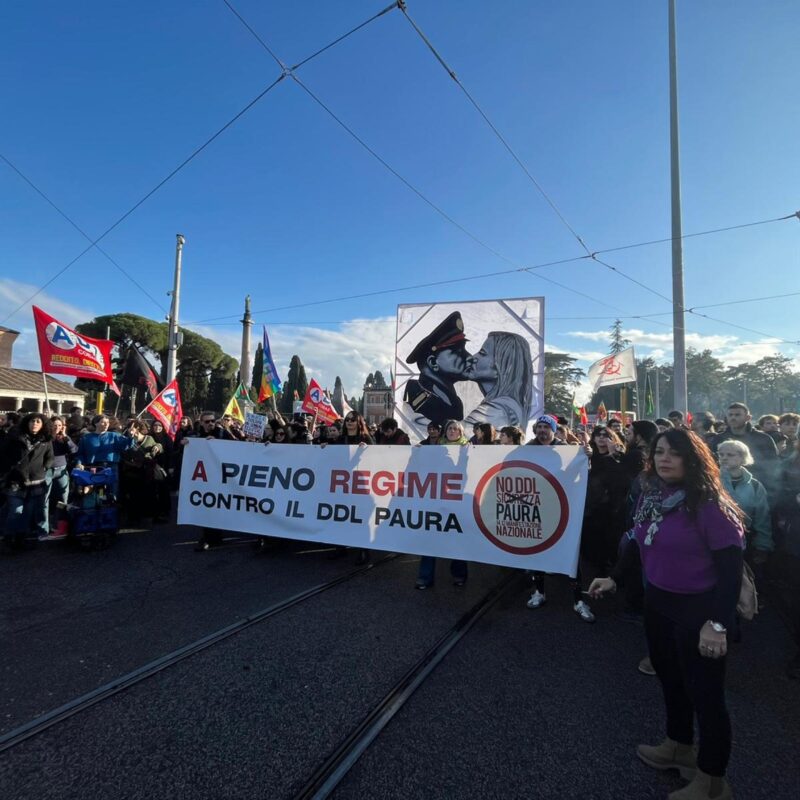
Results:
[520, 507]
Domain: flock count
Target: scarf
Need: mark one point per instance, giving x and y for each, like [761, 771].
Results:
[653, 507]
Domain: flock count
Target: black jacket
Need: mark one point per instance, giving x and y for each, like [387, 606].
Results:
[25, 458]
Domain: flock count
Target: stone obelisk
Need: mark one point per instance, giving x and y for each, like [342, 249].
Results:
[245, 365]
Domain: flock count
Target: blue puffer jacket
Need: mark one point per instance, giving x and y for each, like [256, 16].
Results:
[751, 497]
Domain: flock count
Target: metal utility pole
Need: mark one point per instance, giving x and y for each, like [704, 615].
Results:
[680, 401]
[174, 334]
[245, 368]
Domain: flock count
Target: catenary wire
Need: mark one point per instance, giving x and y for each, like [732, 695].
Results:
[284, 72]
[549, 264]
[161, 183]
[539, 187]
[80, 230]
[778, 339]
[344, 36]
[631, 279]
[795, 215]
[394, 172]
[494, 129]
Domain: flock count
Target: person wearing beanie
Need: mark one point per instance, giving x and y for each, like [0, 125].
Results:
[544, 434]
[544, 431]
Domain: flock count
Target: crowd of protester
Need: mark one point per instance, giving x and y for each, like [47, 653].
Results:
[674, 507]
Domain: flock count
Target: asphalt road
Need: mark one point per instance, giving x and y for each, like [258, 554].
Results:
[531, 704]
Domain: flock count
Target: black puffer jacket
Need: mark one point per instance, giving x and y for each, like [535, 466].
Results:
[25, 458]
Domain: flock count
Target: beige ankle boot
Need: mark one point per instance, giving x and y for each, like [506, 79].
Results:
[669, 755]
[703, 787]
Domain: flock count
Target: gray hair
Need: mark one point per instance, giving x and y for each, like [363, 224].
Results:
[738, 447]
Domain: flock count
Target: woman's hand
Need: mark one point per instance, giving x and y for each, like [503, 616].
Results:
[712, 644]
[600, 586]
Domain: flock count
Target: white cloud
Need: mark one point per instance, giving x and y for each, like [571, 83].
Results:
[640, 338]
[351, 350]
[729, 349]
[14, 294]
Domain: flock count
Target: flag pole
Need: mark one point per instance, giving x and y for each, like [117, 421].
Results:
[119, 400]
[46, 395]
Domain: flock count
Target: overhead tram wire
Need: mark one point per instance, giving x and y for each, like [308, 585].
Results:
[524, 168]
[519, 161]
[146, 197]
[80, 230]
[572, 259]
[795, 215]
[427, 285]
[391, 169]
[284, 73]
[494, 129]
[777, 339]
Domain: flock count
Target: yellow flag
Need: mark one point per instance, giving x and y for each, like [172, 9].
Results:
[234, 409]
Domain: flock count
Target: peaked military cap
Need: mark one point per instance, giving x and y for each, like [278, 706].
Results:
[449, 332]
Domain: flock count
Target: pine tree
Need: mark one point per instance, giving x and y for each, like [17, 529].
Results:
[296, 382]
[618, 341]
[258, 371]
[338, 396]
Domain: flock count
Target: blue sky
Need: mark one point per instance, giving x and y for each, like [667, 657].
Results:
[102, 100]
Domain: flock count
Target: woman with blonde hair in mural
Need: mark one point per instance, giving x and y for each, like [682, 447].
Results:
[502, 369]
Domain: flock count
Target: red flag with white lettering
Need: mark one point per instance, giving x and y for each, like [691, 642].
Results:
[318, 403]
[65, 352]
[166, 408]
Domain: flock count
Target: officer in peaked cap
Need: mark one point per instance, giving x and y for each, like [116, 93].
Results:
[442, 358]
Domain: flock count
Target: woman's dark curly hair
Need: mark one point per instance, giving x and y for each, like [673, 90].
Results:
[701, 480]
[613, 438]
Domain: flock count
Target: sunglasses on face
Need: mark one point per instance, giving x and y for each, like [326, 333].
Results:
[279, 433]
[351, 419]
[208, 422]
[604, 435]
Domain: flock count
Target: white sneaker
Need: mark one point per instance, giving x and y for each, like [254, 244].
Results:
[537, 600]
[583, 611]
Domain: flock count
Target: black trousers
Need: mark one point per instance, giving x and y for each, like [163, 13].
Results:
[693, 686]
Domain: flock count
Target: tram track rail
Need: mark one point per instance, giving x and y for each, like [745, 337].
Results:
[120, 684]
[327, 776]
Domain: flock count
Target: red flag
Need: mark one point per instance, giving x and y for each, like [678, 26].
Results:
[167, 409]
[318, 403]
[584, 417]
[63, 351]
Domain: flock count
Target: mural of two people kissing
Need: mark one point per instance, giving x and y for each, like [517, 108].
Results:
[475, 361]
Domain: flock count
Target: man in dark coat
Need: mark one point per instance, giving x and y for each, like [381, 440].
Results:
[766, 464]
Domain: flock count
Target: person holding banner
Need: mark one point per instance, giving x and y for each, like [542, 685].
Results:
[690, 536]
[64, 450]
[544, 435]
[355, 433]
[434, 434]
[25, 457]
[453, 434]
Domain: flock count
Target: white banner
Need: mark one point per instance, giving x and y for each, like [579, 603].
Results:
[476, 361]
[612, 370]
[515, 506]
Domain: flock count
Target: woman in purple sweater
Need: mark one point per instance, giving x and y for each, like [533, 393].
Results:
[690, 538]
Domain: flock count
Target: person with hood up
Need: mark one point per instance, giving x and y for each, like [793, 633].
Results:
[25, 458]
